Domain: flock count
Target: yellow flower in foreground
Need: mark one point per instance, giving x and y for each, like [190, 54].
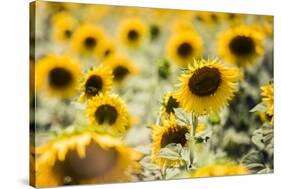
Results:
[87, 39]
[121, 67]
[108, 114]
[166, 133]
[58, 75]
[183, 47]
[133, 32]
[268, 98]
[97, 81]
[85, 158]
[221, 170]
[63, 26]
[241, 45]
[206, 86]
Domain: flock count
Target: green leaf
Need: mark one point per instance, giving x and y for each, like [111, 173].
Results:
[261, 107]
[181, 116]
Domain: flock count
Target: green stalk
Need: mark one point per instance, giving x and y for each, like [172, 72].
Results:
[192, 138]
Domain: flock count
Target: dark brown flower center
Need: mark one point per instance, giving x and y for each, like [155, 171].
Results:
[133, 35]
[184, 50]
[68, 33]
[171, 104]
[93, 85]
[106, 114]
[204, 81]
[107, 52]
[60, 77]
[90, 42]
[98, 162]
[174, 135]
[120, 72]
[242, 46]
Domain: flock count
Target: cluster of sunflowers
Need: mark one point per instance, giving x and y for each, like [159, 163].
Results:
[123, 94]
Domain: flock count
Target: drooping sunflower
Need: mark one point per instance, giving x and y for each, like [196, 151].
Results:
[63, 26]
[268, 99]
[207, 86]
[169, 103]
[121, 67]
[166, 133]
[241, 45]
[97, 81]
[58, 75]
[221, 170]
[133, 32]
[85, 158]
[183, 47]
[87, 39]
[108, 114]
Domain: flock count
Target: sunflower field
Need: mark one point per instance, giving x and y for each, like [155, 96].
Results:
[127, 94]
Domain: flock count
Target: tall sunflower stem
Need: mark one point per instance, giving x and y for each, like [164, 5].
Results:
[192, 138]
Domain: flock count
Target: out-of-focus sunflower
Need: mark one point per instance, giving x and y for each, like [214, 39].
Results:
[206, 86]
[108, 114]
[208, 18]
[169, 132]
[107, 49]
[95, 13]
[121, 67]
[58, 75]
[241, 45]
[85, 158]
[268, 99]
[169, 103]
[133, 32]
[97, 81]
[183, 47]
[87, 39]
[221, 170]
[63, 26]
[182, 25]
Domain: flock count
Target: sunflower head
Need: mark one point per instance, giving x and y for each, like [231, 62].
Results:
[221, 170]
[206, 86]
[183, 47]
[106, 50]
[133, 32]
[85, 158]
[97, 81]
[169, 132]
[63, 26]
[87, 39]
[108, 114]
[208, 18]
[241, 45]
[169, 103]
[268, 99]
[121, 67]
[58, 75]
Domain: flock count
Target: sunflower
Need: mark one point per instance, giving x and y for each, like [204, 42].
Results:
[106, 50]
[241, 45]
[268, 99]
[133, 32]
[221, 170]
[87, 39]
[63, 26]
[58, 75]
[169, 132]
[97, 81]
[108, 114]
[83, 157]
[183, 47]
[208, 18]
[121, 67]
[206, 86]
[169, 102]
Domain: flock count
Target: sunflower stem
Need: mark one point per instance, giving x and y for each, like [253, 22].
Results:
[192, 138]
